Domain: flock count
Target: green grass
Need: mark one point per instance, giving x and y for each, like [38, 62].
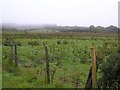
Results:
[27, 78]
[70, 52]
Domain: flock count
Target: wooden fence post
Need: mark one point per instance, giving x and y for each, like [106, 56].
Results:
[47, 65]
[94, 77]
[11, 51]
[15, 55]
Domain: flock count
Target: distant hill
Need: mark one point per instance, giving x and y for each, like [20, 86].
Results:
[54, 27]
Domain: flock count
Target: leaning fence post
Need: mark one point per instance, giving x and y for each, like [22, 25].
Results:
[94, 77]
[47, 65]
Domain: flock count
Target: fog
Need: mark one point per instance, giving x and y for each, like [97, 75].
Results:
[60, 12]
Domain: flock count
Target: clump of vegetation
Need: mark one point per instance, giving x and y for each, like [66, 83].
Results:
[19, 43]
[7, 42]
[76, 79]
[58, 42]
[65, 42]
[33, 43]
[111, 72]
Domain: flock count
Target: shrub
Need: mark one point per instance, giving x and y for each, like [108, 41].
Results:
[7, 42]
[65, 42]
[111, 71]
[58, 42]
[33, 43]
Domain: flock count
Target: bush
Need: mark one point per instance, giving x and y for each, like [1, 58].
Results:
[111, 71]
[33, 43]
[7, 43]
[58, 42]
[65, 42]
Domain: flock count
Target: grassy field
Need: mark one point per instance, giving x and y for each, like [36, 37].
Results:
[69, 55]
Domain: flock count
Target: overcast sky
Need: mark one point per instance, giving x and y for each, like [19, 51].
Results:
[61, 12]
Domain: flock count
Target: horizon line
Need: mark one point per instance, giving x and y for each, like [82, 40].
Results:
[56, 24]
